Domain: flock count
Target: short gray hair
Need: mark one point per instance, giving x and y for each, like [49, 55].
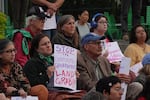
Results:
[33, 17]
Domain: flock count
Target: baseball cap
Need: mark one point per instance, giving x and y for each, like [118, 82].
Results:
[91, 37]
[38, 11]
[146, 59]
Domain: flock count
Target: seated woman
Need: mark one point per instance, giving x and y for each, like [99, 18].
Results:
[12, 80]
[138, 46]
[39, 69]
[67, 34]
[107, 88]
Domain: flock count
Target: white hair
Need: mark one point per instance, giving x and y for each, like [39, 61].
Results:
[29, 18]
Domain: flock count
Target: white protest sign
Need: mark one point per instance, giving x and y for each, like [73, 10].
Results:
[27, 98]
[114, 52]
[124, 69]
[135, 68]
[65, 62]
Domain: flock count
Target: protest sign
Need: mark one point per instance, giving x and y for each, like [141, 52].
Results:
[114, 52]
[65, 62]
[136, 68]
[124, 69]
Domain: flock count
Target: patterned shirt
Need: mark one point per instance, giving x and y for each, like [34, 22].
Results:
[15, 78]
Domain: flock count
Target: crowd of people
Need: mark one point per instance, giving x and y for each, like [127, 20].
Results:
[27, 60]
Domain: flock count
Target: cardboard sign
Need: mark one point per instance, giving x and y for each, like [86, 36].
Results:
[65, 62]
[114, 52]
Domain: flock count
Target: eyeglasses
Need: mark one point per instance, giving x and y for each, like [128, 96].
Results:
[103, 22]
[95, 43]
[10, 51]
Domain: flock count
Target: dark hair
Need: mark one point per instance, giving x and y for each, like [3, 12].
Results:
[35, 44]
[81, 11]
[106, 83]
[133, 38]
[3, 44]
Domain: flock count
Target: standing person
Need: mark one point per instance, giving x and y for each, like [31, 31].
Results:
[67, 34]
[22, 38]
[83, 27]
[136, 6]
[51, 7]
[138, 46]
[12, 79]
[17, 11]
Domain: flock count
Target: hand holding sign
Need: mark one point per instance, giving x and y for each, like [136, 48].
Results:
[50, 71]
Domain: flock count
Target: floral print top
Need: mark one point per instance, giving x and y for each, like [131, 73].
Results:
[15, 78]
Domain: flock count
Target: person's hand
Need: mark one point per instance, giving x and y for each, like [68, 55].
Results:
[77, 74]
[52, 6]
[125, 78]
[50, 71]
[9, 90]
[50, 12]
[2, 96]
[22, 93]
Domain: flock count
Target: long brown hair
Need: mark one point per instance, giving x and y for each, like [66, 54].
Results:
[63, 20]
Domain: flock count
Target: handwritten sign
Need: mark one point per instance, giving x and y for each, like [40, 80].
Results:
[124, 69]
[27, 98]
[65, 62]
[114, 52]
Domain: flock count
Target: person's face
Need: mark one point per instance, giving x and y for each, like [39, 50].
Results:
[93, 48]
[45, 46]
[102, 25]
[69, 27]
[115, 92]
[8, 54]
[140, 34]
[84, 17]
[38, 23]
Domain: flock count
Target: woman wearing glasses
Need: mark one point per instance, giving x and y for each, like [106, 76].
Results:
[12, 80]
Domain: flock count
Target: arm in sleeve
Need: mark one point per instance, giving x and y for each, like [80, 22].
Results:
[34, 75]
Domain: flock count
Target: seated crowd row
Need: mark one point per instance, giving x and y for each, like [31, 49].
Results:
[27, 63]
